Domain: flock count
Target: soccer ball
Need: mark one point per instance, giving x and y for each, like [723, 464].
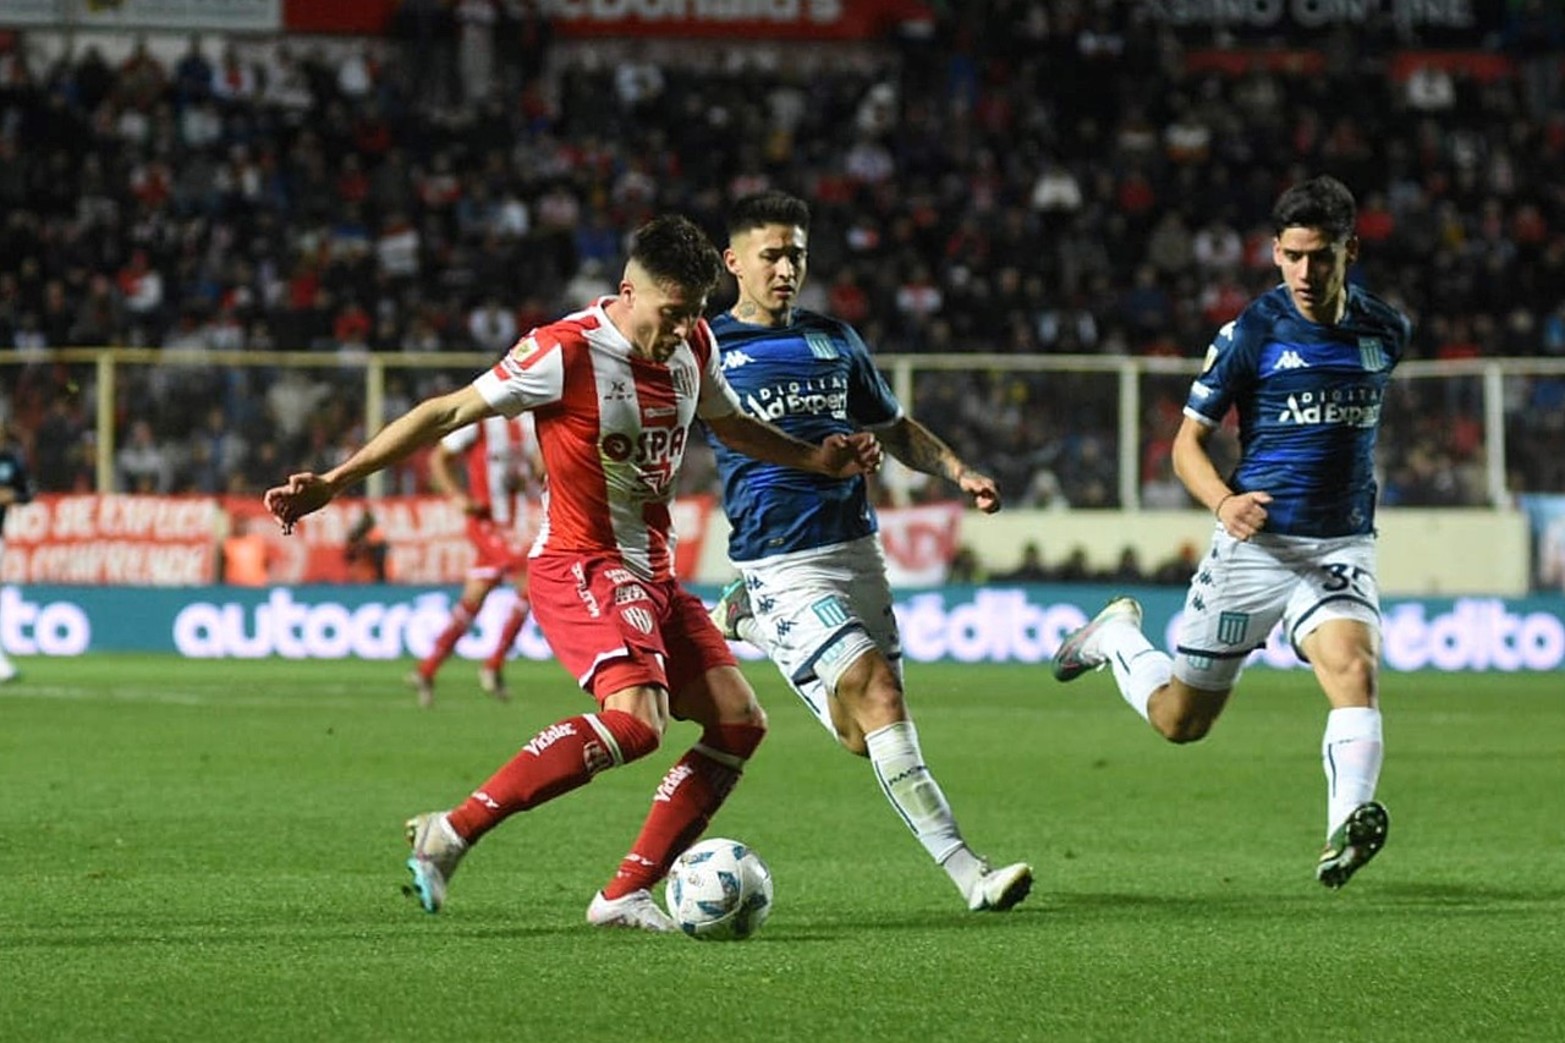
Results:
[719, 890]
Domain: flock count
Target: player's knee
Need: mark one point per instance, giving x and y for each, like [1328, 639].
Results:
[872, 694]
[1184, 730]
[1357, 672]
[1183, 714]
[748, 714]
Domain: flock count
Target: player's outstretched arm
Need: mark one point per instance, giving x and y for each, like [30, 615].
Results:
[838, 456]
[426, 422]
[921, 449]
[1241, 514]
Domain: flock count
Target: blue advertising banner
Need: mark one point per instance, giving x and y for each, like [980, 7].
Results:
[955, 624]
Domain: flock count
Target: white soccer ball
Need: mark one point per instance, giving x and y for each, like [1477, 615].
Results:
[719, 890]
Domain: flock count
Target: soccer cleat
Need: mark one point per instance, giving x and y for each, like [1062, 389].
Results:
[493, 683]
[1078, 653]
[732, 608]
[1359, 838]
[637, 909]
[423, 687]
[437, 851]
[999, 889]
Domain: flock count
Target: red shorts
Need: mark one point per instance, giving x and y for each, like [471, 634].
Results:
[500, 550]
[613, 631]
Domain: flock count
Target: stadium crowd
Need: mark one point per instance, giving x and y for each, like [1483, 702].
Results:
[464, 178]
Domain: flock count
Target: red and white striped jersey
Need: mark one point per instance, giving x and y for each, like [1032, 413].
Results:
[612, 427]
[497, 454]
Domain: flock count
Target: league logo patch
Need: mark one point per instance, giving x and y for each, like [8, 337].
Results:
[525, 353]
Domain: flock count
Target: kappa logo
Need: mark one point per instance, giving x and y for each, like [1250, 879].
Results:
[735, 359]
[1290, 360]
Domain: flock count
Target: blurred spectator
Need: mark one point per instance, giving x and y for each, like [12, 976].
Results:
[366, 555]
[1127, 571]
[141, 465]
[245, 556]
[964, 567]
[973, 204]
[1031, 569]
[1177, 570]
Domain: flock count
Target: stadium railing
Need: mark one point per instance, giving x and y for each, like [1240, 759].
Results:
[1098, 425]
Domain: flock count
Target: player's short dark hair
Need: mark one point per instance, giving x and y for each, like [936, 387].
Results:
[673, 249]
[1321, 202]
[771, 207]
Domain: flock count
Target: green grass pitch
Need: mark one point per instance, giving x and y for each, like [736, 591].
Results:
[213, 851]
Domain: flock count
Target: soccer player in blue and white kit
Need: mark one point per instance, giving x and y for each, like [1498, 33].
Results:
[1307, 366]
[813, 592]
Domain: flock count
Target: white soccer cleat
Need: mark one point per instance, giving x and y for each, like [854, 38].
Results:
[423, 687]
[732, 608]
[437, 851]
[997, 890]
[493, 684]
[637, 909]
[1079, 652]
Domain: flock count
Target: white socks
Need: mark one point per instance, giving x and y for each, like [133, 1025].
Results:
[1351, 753]
[1139, 669]
[914, 793]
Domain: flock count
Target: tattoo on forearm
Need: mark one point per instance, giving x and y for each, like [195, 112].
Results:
[922, 451]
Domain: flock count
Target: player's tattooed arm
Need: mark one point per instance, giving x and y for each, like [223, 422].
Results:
[922, 450]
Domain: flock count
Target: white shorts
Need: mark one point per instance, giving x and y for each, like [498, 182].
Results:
[1242, 588]
[819, 611]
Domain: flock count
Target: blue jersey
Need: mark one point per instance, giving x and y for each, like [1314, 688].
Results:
[14, 476]
[812, 378]
[1309, 400]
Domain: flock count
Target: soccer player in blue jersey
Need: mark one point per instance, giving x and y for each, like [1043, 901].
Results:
[16, 488]
[813, 592]
[1306, 365]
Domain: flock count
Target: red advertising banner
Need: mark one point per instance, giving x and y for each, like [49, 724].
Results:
[155, 541]
[920, 542]
[348, 17]
[174, 541]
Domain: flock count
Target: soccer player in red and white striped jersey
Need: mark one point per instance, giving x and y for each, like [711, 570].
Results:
[613, 390]
[500, 494]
